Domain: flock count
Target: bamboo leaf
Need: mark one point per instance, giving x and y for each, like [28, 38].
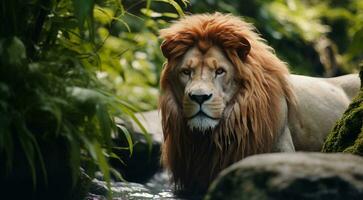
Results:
[128, 137]
[83, 9]
[40, 157]
[175, 5]
[103, 164]
[28, 149]
[105, 123]
[120, 6]
[144, 131]
[148, 3]
[75, 157]
[55, 111]
[113, 155]
[117, 175]
[123, 22]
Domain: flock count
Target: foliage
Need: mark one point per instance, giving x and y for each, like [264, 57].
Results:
[131, 57]
[47, 92]
[312, 36]
[53, 57]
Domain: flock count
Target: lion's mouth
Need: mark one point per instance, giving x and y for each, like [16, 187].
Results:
[200, 113]
[202, 122]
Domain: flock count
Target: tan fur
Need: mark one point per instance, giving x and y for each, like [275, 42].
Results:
[250, 122]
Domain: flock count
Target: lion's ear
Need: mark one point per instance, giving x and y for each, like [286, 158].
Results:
[166, 48]
[174, 48]
[243, 48]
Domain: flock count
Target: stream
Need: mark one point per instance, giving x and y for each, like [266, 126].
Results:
[158, 187]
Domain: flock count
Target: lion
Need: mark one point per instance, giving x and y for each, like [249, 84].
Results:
[225, 95]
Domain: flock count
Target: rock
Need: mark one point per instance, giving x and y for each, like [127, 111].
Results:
[95, 197]
[98, 187]
[291, 176]
[151, 120]
[347, 134]
[144, 162]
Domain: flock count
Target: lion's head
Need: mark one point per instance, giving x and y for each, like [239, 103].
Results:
[207, 83]
[221, 93]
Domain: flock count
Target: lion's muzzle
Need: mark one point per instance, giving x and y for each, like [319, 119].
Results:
[200, 98]
[202, 110]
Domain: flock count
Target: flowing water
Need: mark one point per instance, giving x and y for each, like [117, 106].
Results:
[158, 187]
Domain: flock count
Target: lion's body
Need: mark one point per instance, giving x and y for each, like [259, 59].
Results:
[226, 95]
[319, 104]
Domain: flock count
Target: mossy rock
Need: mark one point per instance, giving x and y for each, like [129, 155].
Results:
[347, 135]
[287, 176]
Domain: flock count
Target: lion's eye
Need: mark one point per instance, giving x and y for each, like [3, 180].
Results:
[186, 72]
[220, 71]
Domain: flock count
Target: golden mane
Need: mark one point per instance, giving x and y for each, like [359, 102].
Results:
[250, 122]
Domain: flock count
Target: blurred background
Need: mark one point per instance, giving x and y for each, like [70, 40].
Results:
[71, 69]
[317, 38]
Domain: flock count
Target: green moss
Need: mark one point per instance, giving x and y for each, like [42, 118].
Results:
[347, 135]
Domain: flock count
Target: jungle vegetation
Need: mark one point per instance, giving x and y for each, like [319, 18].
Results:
[68, 68]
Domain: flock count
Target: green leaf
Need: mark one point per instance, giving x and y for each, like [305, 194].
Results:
[12, 51]
[148, 3]
[170, 15]
[185, 2]
[113, 155]
[105, 123]
[175, 5]
[120, 6]
[103, 15]
[83, 9]
[144, 131]
[117, 175]
[87, 99]
[150, 13]
[103, 164]
[355, 49]
[128, 137]
[89, 147]
[28, 149]
[75, 157]
[31, 148]
[55, 111]
[123, 22]
[39, 156]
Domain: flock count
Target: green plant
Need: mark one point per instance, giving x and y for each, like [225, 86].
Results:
[131, 59]
[50, 55]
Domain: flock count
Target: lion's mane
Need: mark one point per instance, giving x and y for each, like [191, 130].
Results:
[250, 121]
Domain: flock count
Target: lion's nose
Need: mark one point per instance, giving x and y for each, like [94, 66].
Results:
[200, 98]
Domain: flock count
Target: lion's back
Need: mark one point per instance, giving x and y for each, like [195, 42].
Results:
[320, 102]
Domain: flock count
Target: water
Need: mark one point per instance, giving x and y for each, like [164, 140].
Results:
[158, 187]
